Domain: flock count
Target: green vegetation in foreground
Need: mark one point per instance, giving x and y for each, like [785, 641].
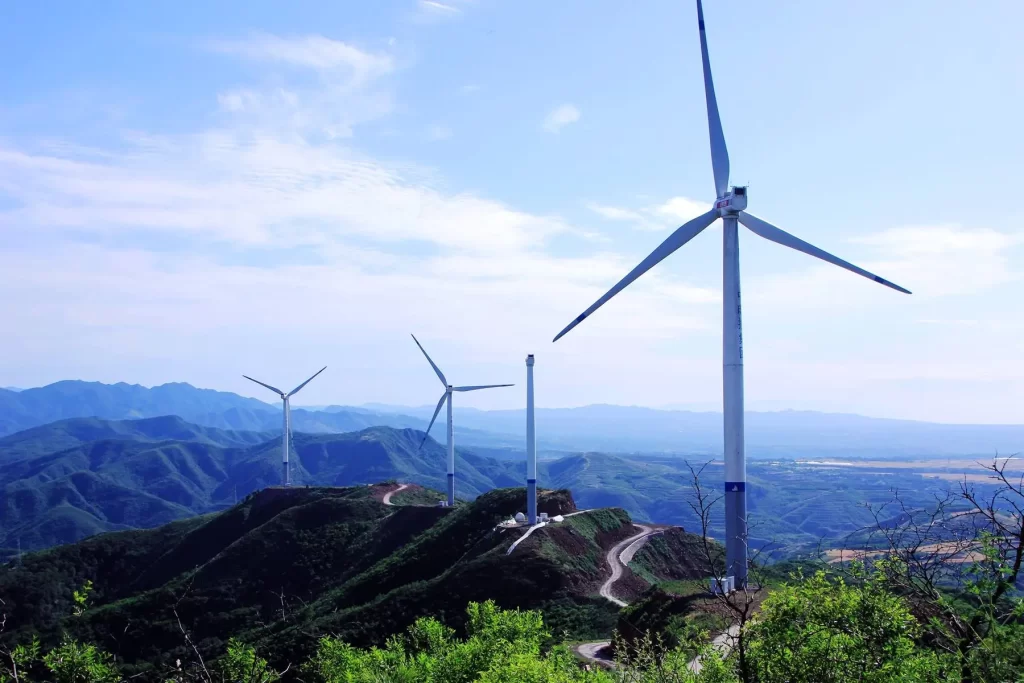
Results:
[813, 630]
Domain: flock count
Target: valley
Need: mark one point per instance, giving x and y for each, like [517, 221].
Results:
[69, 479]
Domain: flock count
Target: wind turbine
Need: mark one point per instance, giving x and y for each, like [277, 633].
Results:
[729, 206]
[447, 397]
[286, 481]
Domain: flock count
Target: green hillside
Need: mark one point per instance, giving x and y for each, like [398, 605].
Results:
[67, 480]
[65, 434]
[58, 486]
[285, 566]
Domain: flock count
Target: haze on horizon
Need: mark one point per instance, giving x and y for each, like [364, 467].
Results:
[189, 196]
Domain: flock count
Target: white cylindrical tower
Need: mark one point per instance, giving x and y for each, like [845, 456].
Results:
[451, 452]
[531, 447]
[285, 481]
[732, 379]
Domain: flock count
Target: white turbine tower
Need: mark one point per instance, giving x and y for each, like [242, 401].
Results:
[286, 438]
[729, 205]
[447, 397]
[531, 447]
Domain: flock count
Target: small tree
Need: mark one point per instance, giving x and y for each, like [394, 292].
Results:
[959, 567]
[821, 630]
[74, 662]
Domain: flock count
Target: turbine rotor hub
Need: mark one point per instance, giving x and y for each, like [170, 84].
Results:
[732, 202]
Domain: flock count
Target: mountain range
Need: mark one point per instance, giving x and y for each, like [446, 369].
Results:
[70, 479]
[500, 433]
[768, 434]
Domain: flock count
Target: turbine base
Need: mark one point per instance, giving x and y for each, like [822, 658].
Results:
[531, 501]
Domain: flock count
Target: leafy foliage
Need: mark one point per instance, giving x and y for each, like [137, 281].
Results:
[822, 630]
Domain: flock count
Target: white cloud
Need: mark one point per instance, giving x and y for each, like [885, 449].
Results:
[664, 216]
[615, 213]
[561, 117]
[434, 7]
[931, 261]
[312, 52]
[332, 86]
[469, 88]
[230, 188]
[682, 209]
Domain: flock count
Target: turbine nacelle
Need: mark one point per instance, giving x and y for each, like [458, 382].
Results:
[734, 201]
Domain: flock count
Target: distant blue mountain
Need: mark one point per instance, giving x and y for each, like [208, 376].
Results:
[768, 434]
[624, 429]
[222, 410]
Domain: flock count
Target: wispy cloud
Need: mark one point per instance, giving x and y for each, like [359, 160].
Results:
[659, 217]
[560, 117]
[681, 209]
[312, 52]
[330, 86]
[441, 8]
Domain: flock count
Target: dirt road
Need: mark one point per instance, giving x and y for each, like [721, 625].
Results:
[616, 564]
[723, 643]
[387, 496]
[590, 652]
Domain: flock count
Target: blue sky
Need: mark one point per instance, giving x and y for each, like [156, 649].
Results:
[189, 192]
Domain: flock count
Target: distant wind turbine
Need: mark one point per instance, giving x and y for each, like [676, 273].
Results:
[447, 397]
[285, 478]
[729, 205]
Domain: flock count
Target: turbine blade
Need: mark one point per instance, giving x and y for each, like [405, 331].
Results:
[274, 389]
[719, 154]
[440, 375]
[481, 386]
[296, 389]
[684, 234]
[770, 232]
[436, 411]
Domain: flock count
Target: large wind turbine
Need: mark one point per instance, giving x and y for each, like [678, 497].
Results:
[285, 479]
[729, 206]
[447, 397]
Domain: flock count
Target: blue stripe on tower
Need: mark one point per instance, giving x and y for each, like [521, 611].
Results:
[531, 481]
[735, 486]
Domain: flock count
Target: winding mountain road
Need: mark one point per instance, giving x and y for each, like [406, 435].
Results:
[613, 558]
[387, 496]
[619, 557]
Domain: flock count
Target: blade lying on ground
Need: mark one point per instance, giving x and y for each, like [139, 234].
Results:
[436, 369]
[274, 389]
[296, 389]
[719, 154]
[770, 232]
[482, 386]
[436, 411]
[677, 239]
